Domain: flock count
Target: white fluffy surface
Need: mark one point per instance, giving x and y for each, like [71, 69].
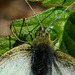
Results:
[17, 65]
[20, 64]
[65, 69]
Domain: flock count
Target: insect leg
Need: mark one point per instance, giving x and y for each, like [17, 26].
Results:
[29, 31]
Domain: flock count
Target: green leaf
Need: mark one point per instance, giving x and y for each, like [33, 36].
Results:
[34, 0]
[68, 2]
[57, 28]
[51, 2]
[73, 8]
[46, 17]
[69, 36]
[57, 2]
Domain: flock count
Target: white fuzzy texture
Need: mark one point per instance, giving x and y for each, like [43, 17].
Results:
[65, 70]
[20, 64]
[16, 65]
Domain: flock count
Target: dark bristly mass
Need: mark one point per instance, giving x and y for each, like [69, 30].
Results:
[41, 60]
[42, 55]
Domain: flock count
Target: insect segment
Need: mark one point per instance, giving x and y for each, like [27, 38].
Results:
[42, 56]
[43, 37]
